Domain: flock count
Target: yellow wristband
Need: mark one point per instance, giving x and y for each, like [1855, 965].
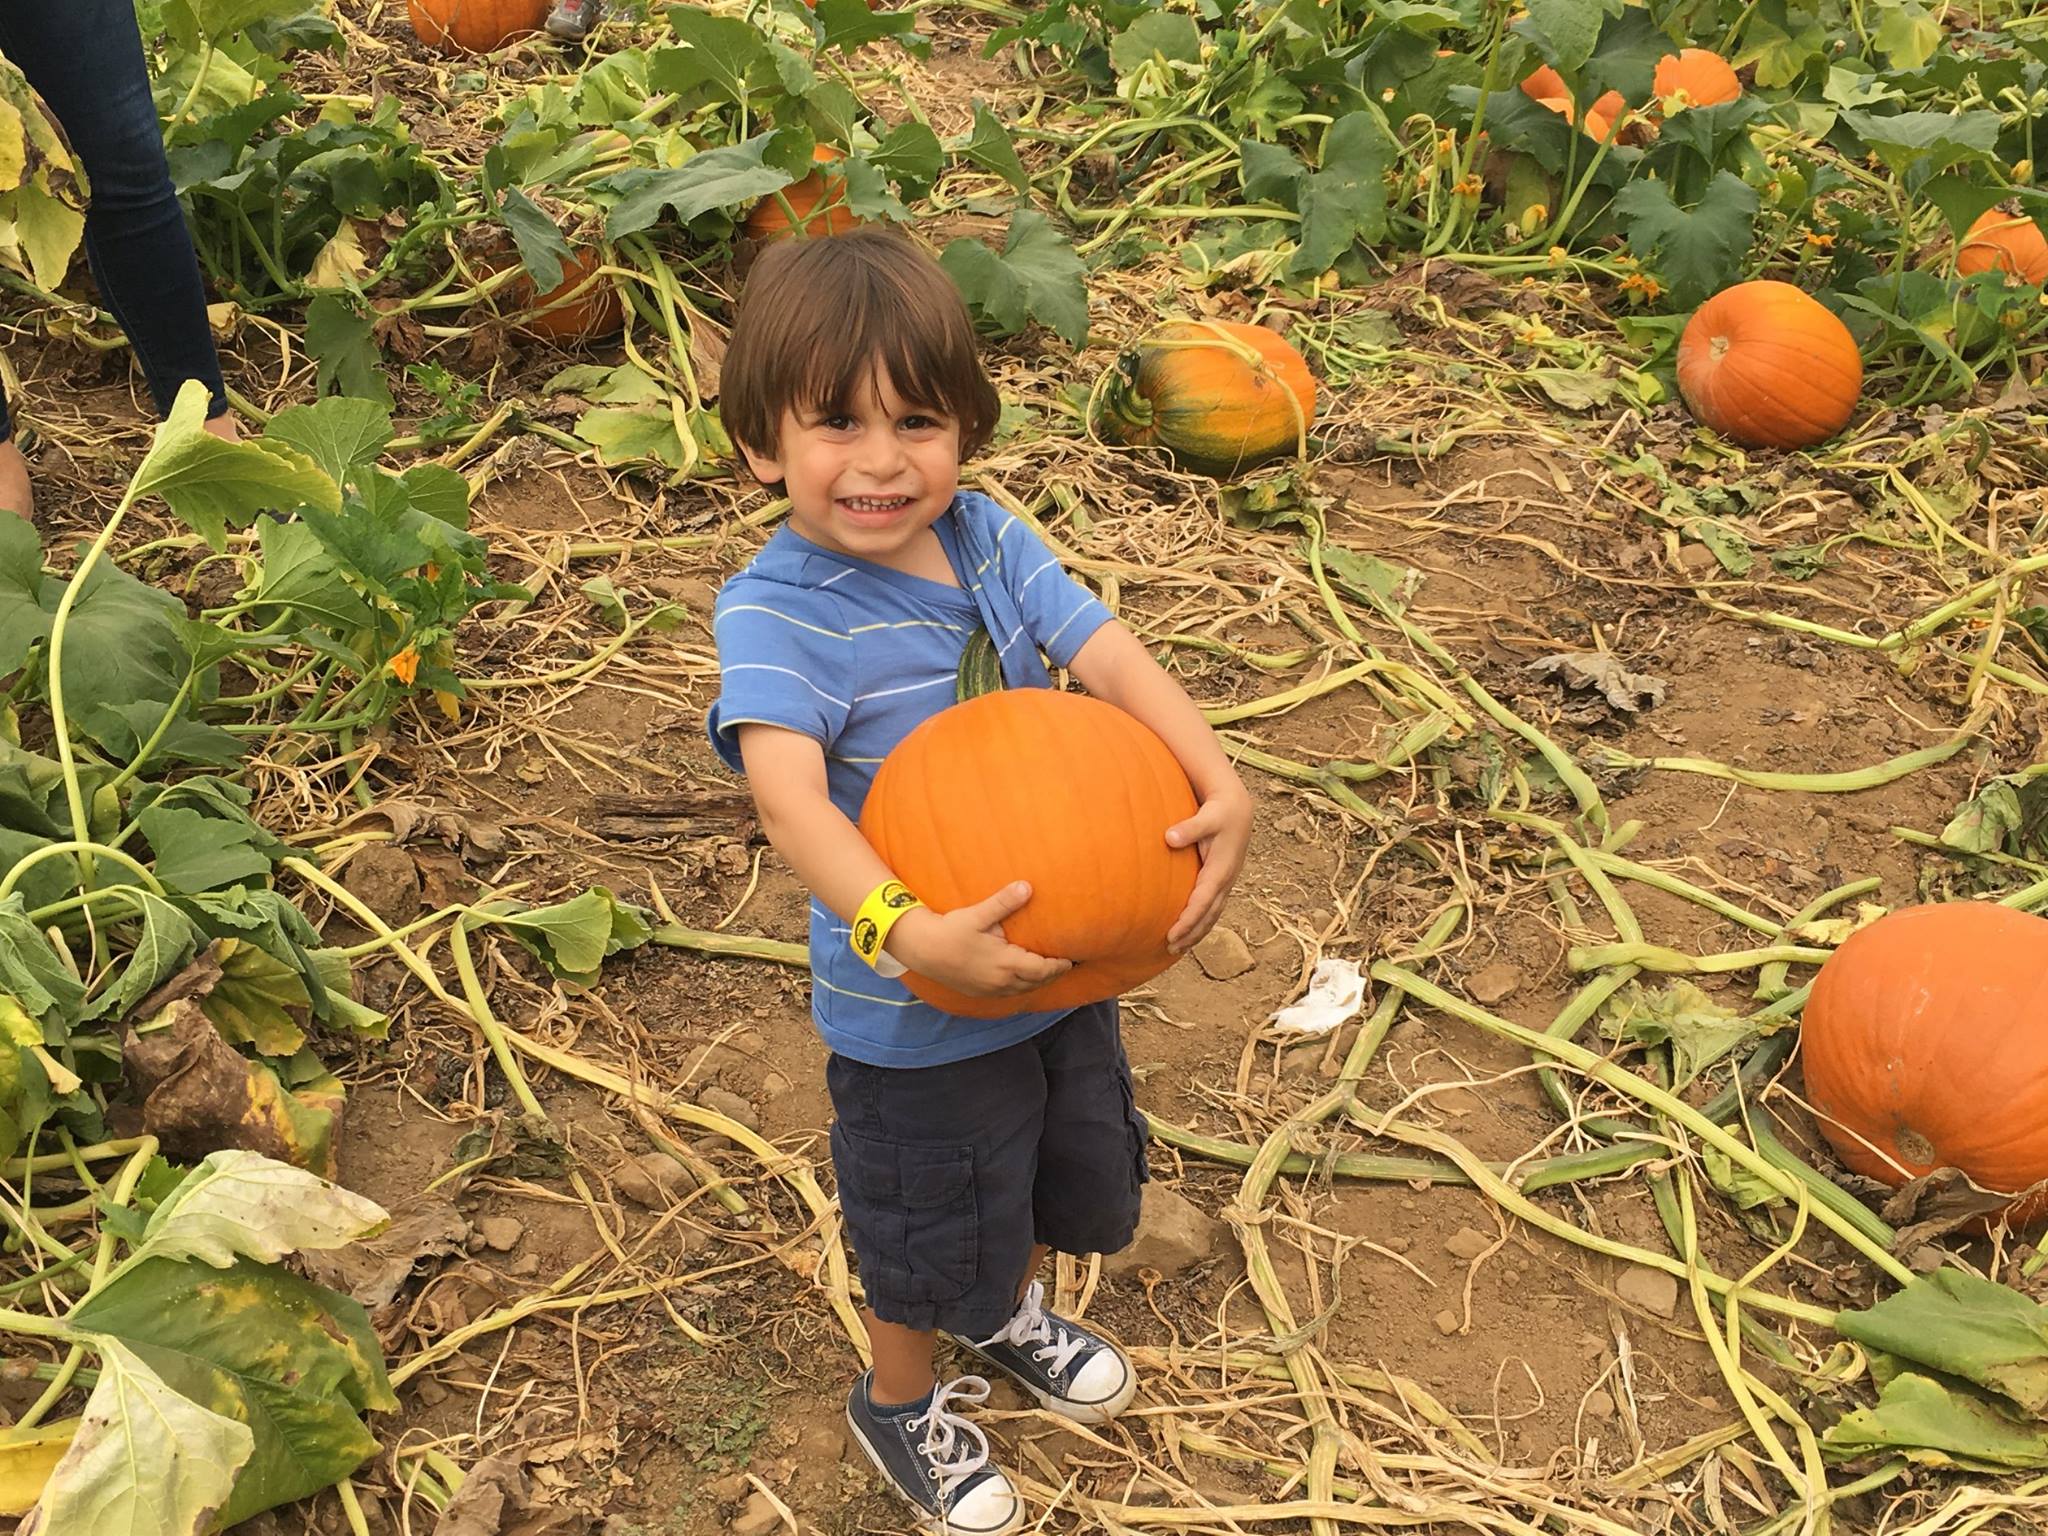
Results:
[886, 903]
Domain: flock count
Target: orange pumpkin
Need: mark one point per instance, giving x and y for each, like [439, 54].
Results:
[2009, 242]
[475, 26]
[1544, 83]
[818, 201]
[1925, 1045]
[1706, 78]
[1601, 117]
[1766, 365]
[1064, 791]
[562, 313]
[1190, 388]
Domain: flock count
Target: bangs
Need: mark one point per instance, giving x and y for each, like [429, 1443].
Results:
[876, 336]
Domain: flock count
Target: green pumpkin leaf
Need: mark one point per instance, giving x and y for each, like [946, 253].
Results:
[293, 1363]
[1699, 1030]
[1564, 32]
[849, 24]
[31, 971]
[147, 1460]
[344, 344]
[1925, 142]
[911, 156]
[259, 1000]
[1938, 1425]
[299, 574]
[1037, 277]
[1966, 1327]
[718, 53]
[1169, 35]
[572, 938]
[633, 435]
[1697, 250]
[201, 853]
[340, 435]
[729, 178]
[163, 941]
[1345, 200]
[990, 147]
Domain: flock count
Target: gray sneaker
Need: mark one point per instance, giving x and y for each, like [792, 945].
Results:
[1071, 1370]
[573, 20]
[937, 1460]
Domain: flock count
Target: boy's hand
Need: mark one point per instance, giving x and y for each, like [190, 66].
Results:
[965, 949]
[1220, 831]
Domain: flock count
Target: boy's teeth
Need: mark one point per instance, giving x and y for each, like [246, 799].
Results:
[873, 503]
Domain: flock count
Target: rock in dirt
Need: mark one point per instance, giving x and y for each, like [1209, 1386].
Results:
[1457, 1102]
[653, 1179]
[1599, 1405]
[1174, 1235]
[1223, 955]
[822, 1444]
[384, 879]
[774, 1086]
[732, 1106]
[1467, 1243]
[757, 1517]
[1650, 1289]
[1494, 982]
[1447, 1322]
[500, 1234]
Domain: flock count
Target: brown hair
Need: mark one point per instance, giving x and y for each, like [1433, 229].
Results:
[820, 315]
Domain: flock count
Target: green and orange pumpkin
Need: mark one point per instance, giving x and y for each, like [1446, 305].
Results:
[2005, 242]
[1066, 792]
[1925, 1045]
[475, 26]
[1222, 396]
[818, 202]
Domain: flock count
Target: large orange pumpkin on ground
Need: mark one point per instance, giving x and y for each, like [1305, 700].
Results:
[1221, 395]
[1925, 1045]
[2009, 242]
[475, 26]
[1767, 365]
[1706, 78]
[563, 313]
[818, 201]
[1058, 789]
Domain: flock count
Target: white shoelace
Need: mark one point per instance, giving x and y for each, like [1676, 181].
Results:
[943, 1428]
[1031, 1326]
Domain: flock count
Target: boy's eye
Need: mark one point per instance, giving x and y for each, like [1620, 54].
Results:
[840, 423]
[921, 423]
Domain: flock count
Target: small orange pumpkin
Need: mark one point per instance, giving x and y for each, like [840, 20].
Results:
[1706, 78]
[563, 314]
[474, 26]
[1925, 1045]
[1768, 366]
[818, 201]
[1190, 388]
[2009, 242]
[1066, 792]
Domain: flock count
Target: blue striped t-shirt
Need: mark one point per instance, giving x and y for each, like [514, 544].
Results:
[855, 656]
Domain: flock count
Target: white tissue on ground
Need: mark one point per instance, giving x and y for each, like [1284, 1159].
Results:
[1335, 992]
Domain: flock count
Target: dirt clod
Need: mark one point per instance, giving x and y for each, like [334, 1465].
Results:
[732, 1106]
[1650, 1289]
[1223, 955]
[500, 1234]
[653, 1179]
[1174, 1235]
[384, 879]
[757, 1517]
[1467, 1243]
[1501, 979]
[1447, 1322]
[1599, 1405]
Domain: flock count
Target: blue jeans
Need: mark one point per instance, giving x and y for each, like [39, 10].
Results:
[85, 58]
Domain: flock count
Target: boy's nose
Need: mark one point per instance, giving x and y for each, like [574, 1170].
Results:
[881, 455]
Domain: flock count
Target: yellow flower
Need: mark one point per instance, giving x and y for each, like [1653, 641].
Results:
[1535, 216]
[1815, 241]
[405, 666]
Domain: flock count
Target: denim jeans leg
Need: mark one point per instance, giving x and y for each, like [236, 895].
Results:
[84, 57]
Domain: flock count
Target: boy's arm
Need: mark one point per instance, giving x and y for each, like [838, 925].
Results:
[964, 949]
[1114, 666]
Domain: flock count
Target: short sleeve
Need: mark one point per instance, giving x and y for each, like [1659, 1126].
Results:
[785, 658]
[1058, 612]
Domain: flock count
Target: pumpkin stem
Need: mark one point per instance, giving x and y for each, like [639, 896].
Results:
[1121, 414]
[981, 669]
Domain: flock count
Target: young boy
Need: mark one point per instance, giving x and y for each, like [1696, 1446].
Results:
[965, 1149]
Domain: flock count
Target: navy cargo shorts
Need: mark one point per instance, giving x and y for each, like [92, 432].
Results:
[949, 1174]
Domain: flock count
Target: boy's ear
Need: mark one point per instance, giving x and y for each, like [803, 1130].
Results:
[767, 467]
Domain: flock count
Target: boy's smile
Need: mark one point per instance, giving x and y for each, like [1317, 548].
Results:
[867, 477]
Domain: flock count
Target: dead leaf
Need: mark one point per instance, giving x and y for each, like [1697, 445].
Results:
[1629, 692]
[199, 1094]
[493, 1491]
[707, 353]
[1938, 1203]
[372, 1270]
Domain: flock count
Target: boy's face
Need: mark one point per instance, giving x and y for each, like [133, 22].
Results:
[867, 481]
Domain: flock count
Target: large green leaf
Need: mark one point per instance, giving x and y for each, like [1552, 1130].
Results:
[631, 434]
[339, 434]
[1169, 35]
[300, 574]
[162, 940]
[1939, 1425]
[1346, 199]
[1963, 1326]
[212, 484]
[1699, 249]
[1925, 142]
[573, 937]
[989, 146]
[294, 1363]
[147, 1459]
[542, 250]
[718, 178]
[196, 853]
[30, 970]
[1565, 31]
[242, 1205]
[259, 1000]
[850, 24]
[718, 53]
[219, 20]
[1037, 277]
[344, 345]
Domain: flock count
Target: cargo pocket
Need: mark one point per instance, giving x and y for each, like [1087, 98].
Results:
[912, 1211]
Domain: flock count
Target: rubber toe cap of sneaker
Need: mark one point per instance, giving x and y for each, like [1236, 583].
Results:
[1103, 1386]
[990, 1508]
